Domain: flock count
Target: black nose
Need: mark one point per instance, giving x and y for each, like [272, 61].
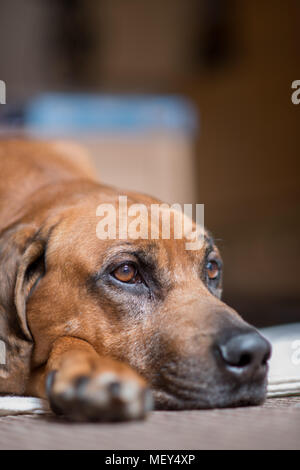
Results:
[246, 354]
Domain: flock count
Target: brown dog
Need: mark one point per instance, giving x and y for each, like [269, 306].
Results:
[91, 323]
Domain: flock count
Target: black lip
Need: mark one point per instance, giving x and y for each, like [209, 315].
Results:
[252, 395]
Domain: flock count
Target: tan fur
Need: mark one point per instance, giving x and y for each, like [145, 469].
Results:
[57, 319]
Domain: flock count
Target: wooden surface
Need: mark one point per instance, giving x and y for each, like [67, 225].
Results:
[275, 425]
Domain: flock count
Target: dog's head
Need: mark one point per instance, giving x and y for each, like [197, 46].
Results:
[149, 302]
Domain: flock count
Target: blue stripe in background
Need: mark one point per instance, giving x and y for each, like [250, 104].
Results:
[62, 113]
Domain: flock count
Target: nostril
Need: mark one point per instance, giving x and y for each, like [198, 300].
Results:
[245, 359]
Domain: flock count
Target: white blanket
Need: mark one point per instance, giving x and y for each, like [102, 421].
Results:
[284, 373]
[14, 405]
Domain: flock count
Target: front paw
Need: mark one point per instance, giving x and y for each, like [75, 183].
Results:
[102, 396]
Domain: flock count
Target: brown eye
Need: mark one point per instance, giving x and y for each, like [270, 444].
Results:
[126, 273]
[213, 270]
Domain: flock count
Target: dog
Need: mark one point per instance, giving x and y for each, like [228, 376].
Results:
[107, 329]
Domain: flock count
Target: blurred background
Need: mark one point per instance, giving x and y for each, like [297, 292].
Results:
[187, 100]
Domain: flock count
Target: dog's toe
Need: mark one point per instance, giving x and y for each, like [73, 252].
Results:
[102, 397]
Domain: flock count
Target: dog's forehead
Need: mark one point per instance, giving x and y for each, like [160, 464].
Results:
[82, 242]
[169, 253]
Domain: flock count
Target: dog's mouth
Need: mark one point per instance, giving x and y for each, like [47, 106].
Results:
[234, 373]
[184, 400]
[178, 393]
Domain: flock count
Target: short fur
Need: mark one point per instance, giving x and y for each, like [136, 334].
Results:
[76, 335]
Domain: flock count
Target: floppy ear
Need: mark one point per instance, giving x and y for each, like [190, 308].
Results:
[31, 270]
[21, 266]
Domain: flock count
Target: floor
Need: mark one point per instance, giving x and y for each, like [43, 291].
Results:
[275, 425]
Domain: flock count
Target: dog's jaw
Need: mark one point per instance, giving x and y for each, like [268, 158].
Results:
[221, 396]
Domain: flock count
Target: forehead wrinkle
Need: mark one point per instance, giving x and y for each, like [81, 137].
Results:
[168, 258]
[147, 254]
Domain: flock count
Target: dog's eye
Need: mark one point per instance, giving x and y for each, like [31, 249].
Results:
[213, 270]
[127, 273]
